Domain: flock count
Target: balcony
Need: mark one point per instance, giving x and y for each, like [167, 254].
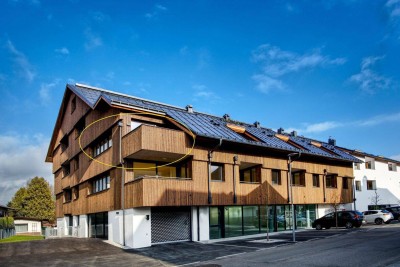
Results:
[150, 191]
[154, 143]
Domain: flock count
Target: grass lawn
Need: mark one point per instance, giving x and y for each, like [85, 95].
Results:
[21, 238]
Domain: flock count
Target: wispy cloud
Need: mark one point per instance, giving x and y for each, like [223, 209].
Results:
[394, 8]
[203, 59]
[44, 92]
[275, 63]
[62, 51]
[92, 40]
[21, 158]
[201, 92]
[21, 62]
[329, 125]
[395, 157]
[155, 13]
[368, 79]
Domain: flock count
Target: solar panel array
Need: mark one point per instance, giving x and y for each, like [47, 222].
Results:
[213, 127]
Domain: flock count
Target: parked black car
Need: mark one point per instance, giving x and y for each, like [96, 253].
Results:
[395, 211]
[348, 219]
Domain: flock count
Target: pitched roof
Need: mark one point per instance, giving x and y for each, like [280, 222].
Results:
[210, 126]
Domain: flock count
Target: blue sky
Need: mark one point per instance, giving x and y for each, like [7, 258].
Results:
[323, 68]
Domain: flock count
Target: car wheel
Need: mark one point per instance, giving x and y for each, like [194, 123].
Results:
[318, 227]
[349, 225]
[378, 221]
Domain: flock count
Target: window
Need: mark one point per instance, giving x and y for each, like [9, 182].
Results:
[67, 195]
[102, 146]
[64, 143]
[34, 227]
[76, 163]
[357, 166]
[73, 104]
[331, 181]
[392, 167]
[371, 185]
[217, 172]
[276, 177]
[315, 180]
[370, 164]
[79, 127]
[21, 228]
[76, 192]
[358, 185]
[101, 184]
[66, 169]
[298, 178]
[250, 175]
[179, 170]
[345, 182]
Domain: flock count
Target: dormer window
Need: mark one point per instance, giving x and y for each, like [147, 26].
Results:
[370, 163]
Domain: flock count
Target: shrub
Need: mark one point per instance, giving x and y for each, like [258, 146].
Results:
[6, 223]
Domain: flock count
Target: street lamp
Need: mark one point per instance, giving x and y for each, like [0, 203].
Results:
[290, 160]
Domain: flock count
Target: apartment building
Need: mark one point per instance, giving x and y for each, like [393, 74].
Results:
[376, 181]
[139, 172]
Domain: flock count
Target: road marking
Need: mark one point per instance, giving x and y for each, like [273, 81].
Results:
[232, 246]
[231, 255]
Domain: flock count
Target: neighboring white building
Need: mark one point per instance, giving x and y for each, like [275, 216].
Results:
[377, 181]
[28, 226]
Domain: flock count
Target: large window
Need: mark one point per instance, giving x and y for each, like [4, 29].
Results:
[217, 172]
[315, 180]
[178, 170]
[371, 184]
[358, 185]
[98, 225]
[101, 184]
[276, 177]
[102, 146]
[331, 181]
[298, 178]
[250, 175]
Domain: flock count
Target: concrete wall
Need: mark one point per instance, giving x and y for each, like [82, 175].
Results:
[83, 226]
[204, 219]
[115, 226]
[137, 227]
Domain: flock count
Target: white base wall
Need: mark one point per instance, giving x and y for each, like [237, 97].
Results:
[83, 226]
[204, 222]
[138, 227]
[62, 229]
[324, 209]
[115, 226]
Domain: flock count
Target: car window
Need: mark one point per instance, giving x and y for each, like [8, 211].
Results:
[374, 212]
[366, 212]
[328, 216]
[384, 211]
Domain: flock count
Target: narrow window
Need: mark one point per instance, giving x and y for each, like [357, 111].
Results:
[345, 182]
[392, 167]
[276, 177]
[315, 180]
[298, 178]
[331, 181]
[358, 185]
[357, 166]
[217, 172]
[371, 184]
[67, 195]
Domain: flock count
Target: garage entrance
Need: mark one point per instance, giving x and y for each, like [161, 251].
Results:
[170, 224]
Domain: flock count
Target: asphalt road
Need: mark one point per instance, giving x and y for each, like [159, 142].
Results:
[366, 246]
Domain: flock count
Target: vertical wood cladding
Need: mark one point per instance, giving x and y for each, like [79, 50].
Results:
[156, 141]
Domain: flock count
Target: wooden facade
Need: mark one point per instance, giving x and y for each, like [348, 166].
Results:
[160, 140]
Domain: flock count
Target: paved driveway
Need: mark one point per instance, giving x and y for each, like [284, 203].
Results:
[95, 252]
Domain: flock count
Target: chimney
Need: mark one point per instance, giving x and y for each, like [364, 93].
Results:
[227, 117]
[294, 134]
[257, 124]
[189, 108]
[332, 141]
[281, 131]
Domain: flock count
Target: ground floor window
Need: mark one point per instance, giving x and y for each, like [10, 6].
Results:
[230, 221]
[21, 228]
[98, 225]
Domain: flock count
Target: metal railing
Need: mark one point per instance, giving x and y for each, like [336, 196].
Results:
[69, 231]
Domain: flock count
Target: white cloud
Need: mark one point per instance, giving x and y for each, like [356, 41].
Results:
[203, 93]
[393, 7]
[62, 51]
[44, 92]
[92, 40]
[329, 125]
[275, 63]
[157, 10]
[369, 80]
[24, 67]
[395, 157]
[21, 158]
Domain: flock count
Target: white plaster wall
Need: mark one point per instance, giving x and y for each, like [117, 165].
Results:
[115, 226]
[324, 209]
[83, 226]
[137, 228]
[61, 227]
[30, 225]
[204, 222]
[194, 215]
[387, 184]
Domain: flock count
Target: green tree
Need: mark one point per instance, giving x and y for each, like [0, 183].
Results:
[18, 203]
[34, 201]
[39, 200]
